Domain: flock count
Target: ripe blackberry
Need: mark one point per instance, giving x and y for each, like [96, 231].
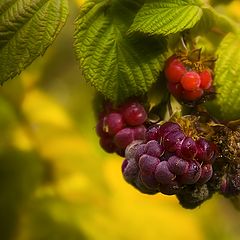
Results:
[206, 173]
[188, 148]
[192, 174]
[177, 165]
[205, 150]
[166, 161]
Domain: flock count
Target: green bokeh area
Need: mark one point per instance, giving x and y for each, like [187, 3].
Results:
[57, 184]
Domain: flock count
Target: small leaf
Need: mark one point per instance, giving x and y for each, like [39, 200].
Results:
[27, 28]
[227, 79]
[167, 16]
[119, 66]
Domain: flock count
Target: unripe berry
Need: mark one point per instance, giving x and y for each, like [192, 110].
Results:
[192, 95]
[206, 79]
[174, 69]
[190, 81]
[175, 89]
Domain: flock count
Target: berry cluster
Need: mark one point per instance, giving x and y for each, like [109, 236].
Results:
[118, 127]
[185, 81]
[168, 160]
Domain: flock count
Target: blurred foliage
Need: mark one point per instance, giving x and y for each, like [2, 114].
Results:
[56, 183]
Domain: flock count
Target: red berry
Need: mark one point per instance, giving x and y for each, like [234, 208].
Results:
[107, 144]
[206, 79]
[113, 123]
[134, 113]
[124, 137]
[190, 81]
[206, 173]
[99, 129]
[192, 95]
[139, 132]
[174, 70]
[175, 89]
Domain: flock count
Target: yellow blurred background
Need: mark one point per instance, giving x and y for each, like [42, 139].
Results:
[57, 184]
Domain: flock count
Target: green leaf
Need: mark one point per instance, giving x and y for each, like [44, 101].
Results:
[164, 17]
[227, 79]
[213, 22]
[27, 28]
[117, 65]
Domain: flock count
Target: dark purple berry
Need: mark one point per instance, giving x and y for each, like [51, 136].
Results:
[192, 174]
[142, 188]
[129, 170]
[153, 133]
[168, 127]
[107, 144]
[235, 181]
[134, 114]
[224, 186]
[172, 141]
[132, 148]
[230, 185]
[166, 156]
[139, 132]
[153, 148]
[163, 174]
[124, 137]
[188, 148]
[206, 173]
[149, 180]
[148, 163]
[113, 123]
[140, 151]
[120, 152]
[205, 150]
[177, 165]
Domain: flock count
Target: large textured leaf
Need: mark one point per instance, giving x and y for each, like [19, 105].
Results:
[227, 79]
[118, 66]
[213, 22]
[167, 16]
[27, 28]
